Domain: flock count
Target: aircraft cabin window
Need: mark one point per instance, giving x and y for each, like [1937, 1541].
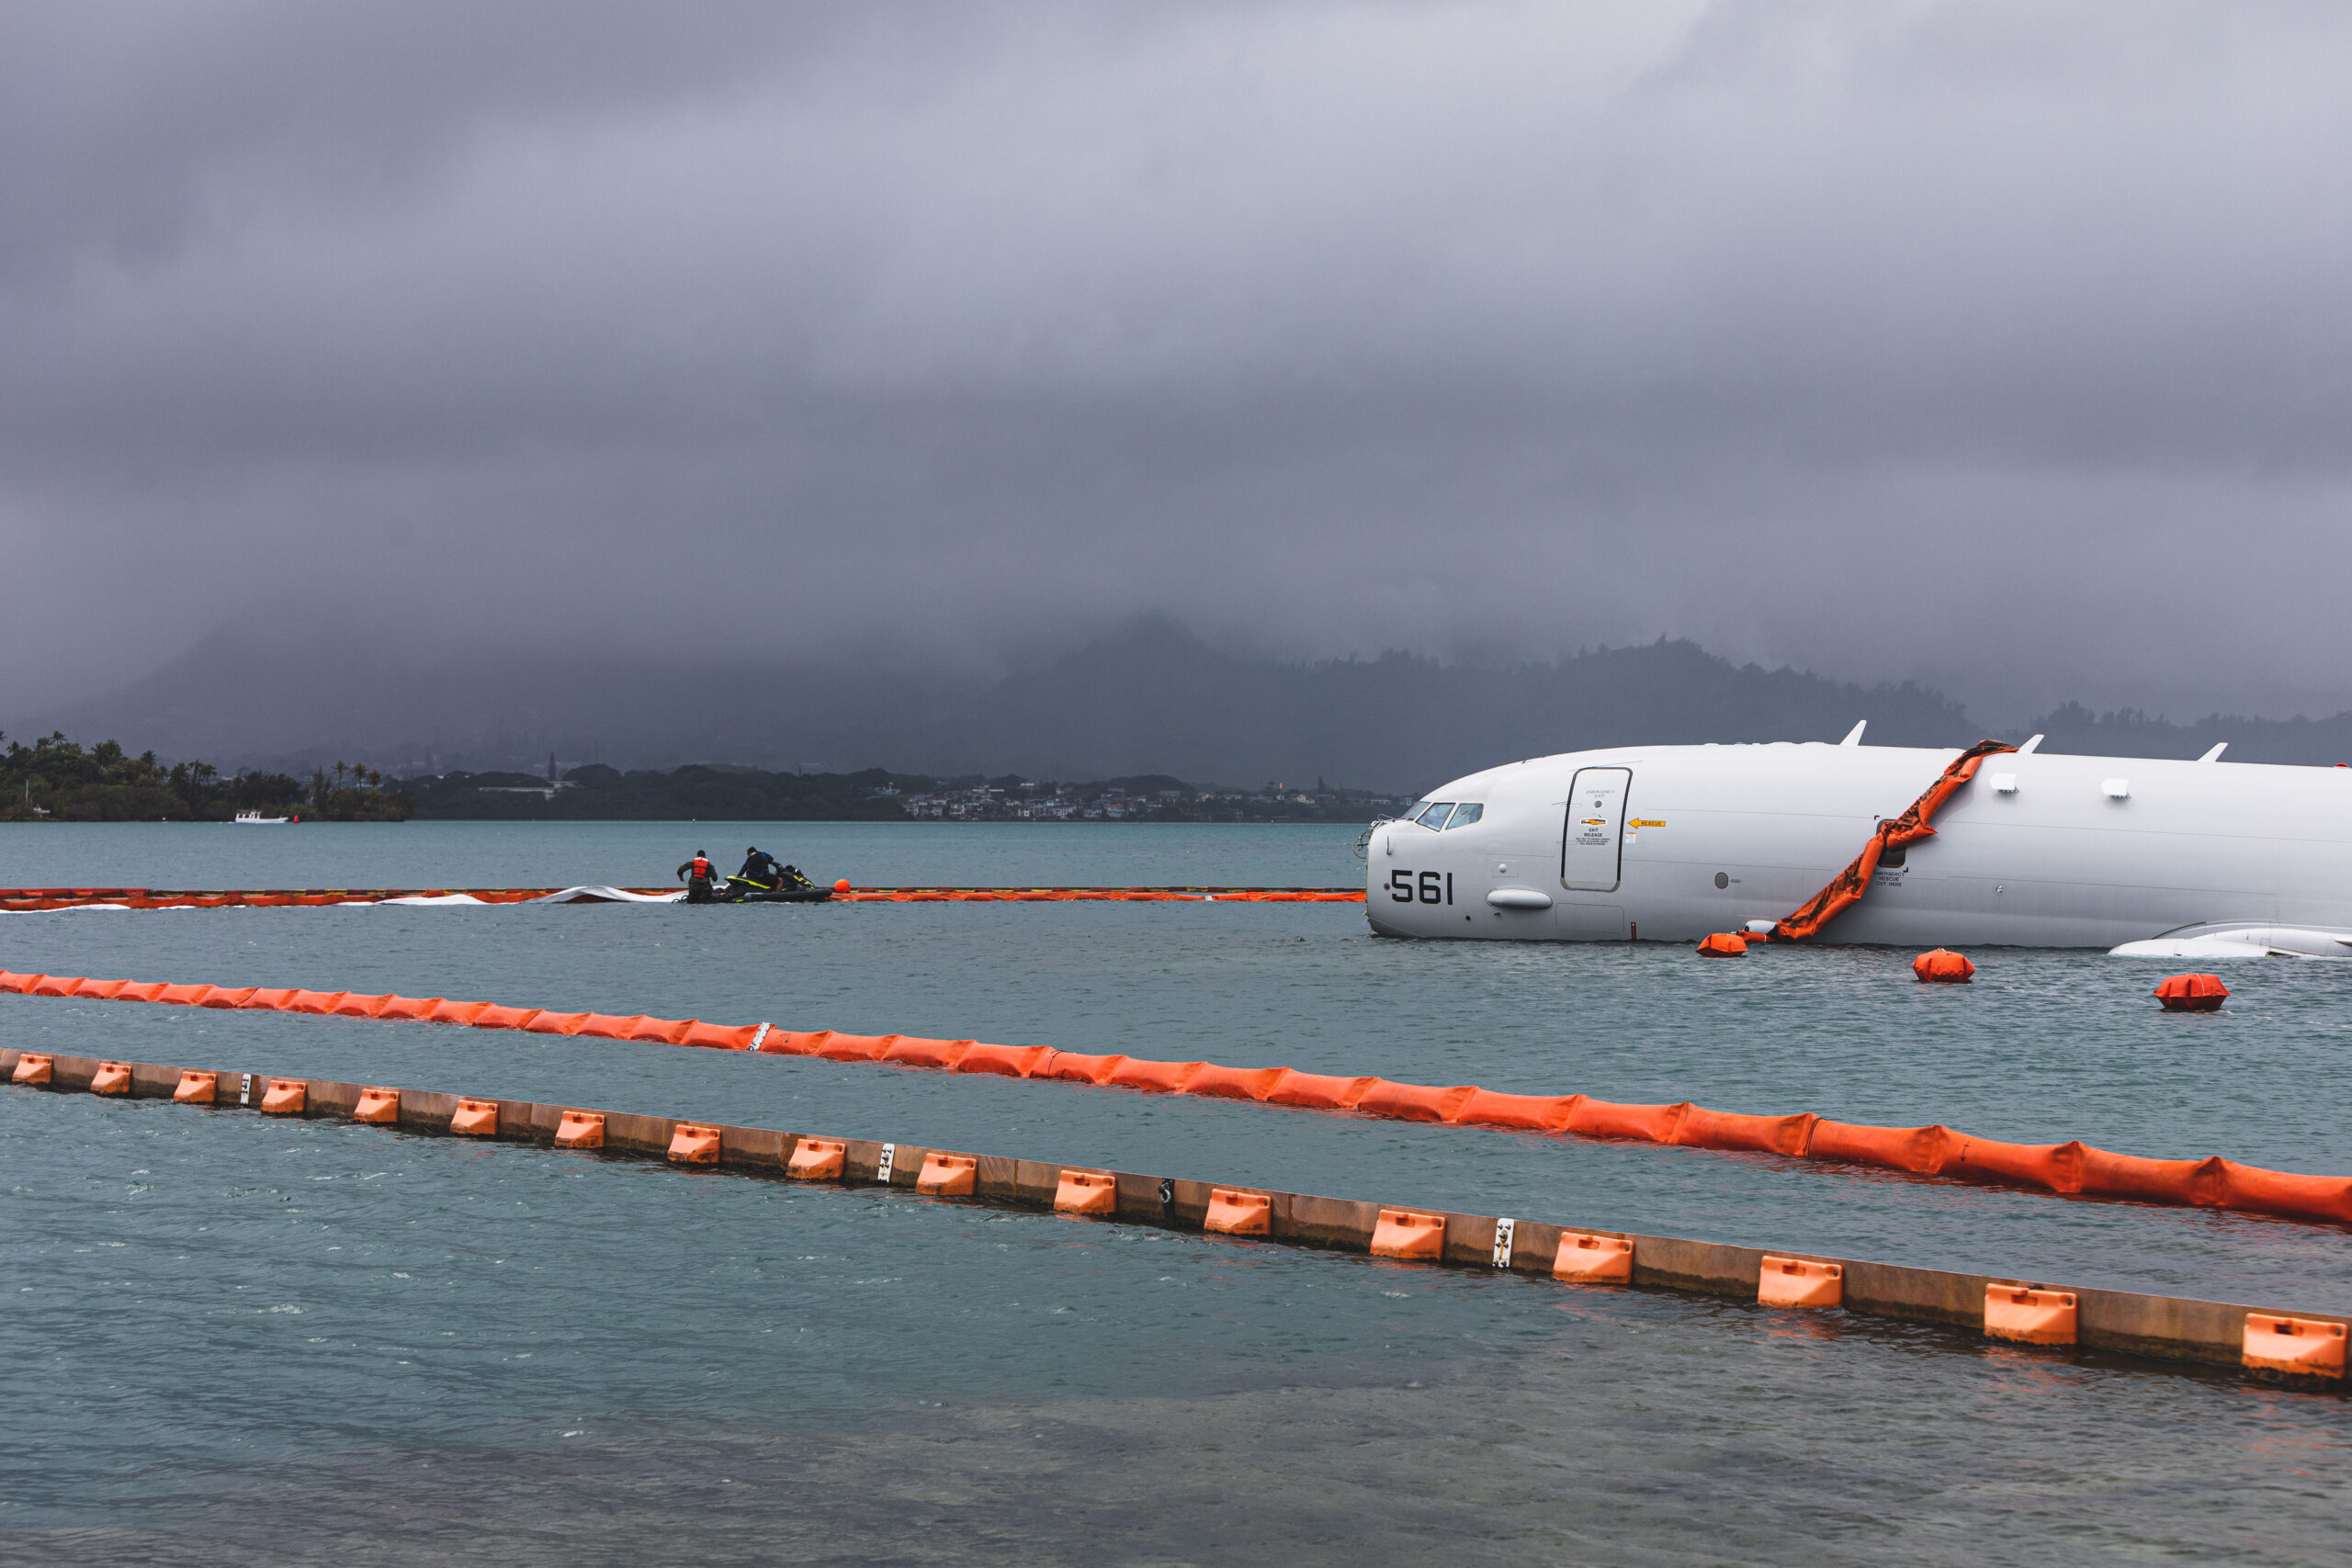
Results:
[1466, 814]
[1434, 817]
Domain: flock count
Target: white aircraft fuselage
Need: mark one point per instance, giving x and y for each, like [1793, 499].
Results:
[1671, 842]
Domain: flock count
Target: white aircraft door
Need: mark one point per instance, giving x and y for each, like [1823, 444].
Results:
[1595, 832]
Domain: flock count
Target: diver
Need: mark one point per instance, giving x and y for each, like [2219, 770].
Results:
[760, 874]
[698, 889]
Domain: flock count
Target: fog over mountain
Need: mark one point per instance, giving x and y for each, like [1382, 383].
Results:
[434, 367]
[1150, 698]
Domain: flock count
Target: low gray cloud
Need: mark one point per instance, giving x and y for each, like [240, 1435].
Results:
[2003, 344]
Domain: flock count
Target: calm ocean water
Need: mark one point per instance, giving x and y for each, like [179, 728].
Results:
[234, 1340]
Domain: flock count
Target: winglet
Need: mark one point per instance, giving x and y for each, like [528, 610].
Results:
[1854, 736]
[2215, 754]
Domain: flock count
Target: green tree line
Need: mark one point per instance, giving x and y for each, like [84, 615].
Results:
[54, 780]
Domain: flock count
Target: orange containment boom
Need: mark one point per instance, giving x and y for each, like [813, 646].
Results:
[1845, 889]
[2261, 1339]
[32, 900]
[2069, 1168]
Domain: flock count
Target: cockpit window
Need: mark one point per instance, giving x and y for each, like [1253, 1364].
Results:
[1469, 811]
[1432, 816]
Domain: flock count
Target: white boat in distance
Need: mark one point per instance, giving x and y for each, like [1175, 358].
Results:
[2159, 859]
[255, 819]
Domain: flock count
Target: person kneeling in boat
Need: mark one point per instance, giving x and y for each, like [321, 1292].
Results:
[698, 885]
[760, 874]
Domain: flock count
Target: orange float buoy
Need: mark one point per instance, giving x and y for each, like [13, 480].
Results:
[581, 1130]
[841, 885]
[1585, 1258]
[947, 1176]
[1943, 967]
[1408, 1235]
[1799, 1282]
[817, 1159]
[2309, 1347]
[694, 1143]
[1723, 944]
[2192, 993]
[1235, 1212]
[1093, 1192]
[2030, 1316]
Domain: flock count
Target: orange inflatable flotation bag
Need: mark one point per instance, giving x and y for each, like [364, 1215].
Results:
[1152, 1077]
[1010, 1061]
[1943, 967]
[1077, 1068]
[1413, 1101]
[1536, 1113]
[1919, 1150]
[1723, 944]
[1319, 1092]
[1703, 1129]
[2192, 993]
[1641, 1123]
[915, 1051]
[1234, 1083]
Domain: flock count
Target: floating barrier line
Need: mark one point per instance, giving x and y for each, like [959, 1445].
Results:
[2307, 1347]
[2069, 1169]
[31, 900]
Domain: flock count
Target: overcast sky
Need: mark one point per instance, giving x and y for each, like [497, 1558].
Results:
[2008, 345]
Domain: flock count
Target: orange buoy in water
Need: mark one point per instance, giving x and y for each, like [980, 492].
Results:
[1944, 967]
[2192, 993]
[1723, 944]
[841, 885]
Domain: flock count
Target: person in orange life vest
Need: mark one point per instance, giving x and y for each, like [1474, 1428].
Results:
[698, 883]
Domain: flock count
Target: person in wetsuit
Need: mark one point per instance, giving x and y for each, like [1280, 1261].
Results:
[698, 883]
[760, 874]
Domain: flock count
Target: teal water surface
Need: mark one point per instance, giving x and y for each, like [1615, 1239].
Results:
[443, 1348]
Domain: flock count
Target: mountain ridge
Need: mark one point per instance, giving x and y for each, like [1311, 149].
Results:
[1150, 696]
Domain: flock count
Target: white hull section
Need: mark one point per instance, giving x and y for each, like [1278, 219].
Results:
[1671, 842]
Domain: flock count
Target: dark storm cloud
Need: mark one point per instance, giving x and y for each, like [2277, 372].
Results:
[2005, 344]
